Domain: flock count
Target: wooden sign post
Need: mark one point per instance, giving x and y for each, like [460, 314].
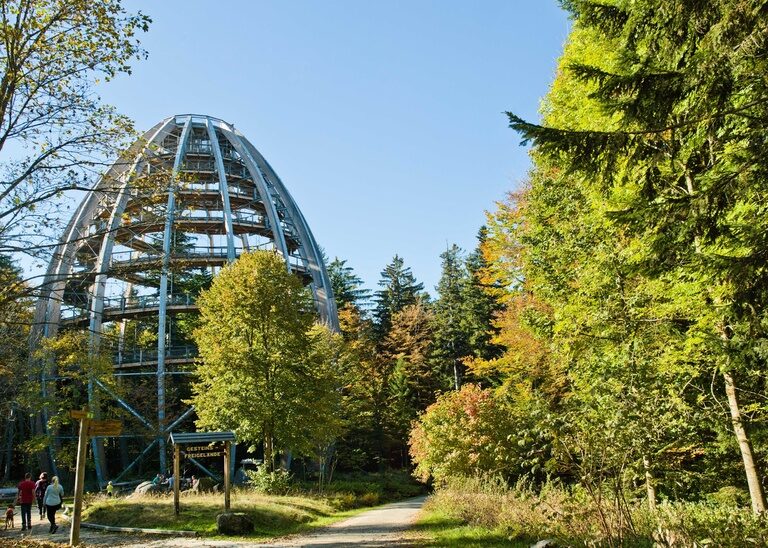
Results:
[88, 427]
[203, 448]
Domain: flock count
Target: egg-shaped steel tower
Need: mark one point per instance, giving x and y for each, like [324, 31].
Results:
[185, 199]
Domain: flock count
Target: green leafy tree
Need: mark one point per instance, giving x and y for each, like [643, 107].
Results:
[365, 376]
[73, 374]
[412, 379]
[651, 128]
[15, 317]
[52, 52]
[263, 372]
[408, 347]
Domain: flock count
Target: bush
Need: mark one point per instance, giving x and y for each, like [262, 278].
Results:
[464, 432]
[277, 482]
[519, 512]
[729, 496]
[348, 491]
[349, 501]
[709, 524]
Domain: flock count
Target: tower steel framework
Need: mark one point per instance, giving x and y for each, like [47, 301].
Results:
[187, 198]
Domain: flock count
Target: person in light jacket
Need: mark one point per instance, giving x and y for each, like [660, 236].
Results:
[54, 495]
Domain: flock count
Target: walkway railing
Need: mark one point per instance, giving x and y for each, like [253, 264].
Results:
[137, 356]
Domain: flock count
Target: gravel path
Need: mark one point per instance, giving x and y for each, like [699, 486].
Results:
[89, 536]
[381, 527]
[384, 526]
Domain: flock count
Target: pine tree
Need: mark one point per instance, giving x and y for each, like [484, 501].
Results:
[399, 289]
[481, 304]
[451, 337]
[347, 286]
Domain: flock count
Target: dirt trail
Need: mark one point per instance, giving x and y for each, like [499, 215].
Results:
[383, 526]
[40, 528]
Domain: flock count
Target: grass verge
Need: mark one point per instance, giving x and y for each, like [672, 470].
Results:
[272, 515]
[435, 527]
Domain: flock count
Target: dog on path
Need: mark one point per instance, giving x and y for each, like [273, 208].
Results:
[9, 517]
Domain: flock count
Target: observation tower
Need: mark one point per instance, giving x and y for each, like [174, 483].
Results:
[183, 201]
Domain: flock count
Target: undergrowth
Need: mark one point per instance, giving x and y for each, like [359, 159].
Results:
[571, 517]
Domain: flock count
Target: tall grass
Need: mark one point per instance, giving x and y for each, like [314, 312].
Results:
[573, 517]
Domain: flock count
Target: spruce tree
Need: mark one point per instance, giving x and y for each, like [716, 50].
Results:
[480, 303]
[399, 289]
[347, 286]
[451, 336]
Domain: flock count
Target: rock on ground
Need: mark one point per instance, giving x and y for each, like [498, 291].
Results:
[234, 523]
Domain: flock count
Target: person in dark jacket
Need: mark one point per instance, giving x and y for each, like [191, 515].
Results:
[40, 486]
[26, 497]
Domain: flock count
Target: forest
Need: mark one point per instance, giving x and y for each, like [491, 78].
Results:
[593, 371]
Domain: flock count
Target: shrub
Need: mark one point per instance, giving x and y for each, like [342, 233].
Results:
[462, 434]
[277, 482]
[709, 524]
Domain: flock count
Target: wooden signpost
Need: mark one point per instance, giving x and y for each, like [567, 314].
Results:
[201, 445]
[89, 427]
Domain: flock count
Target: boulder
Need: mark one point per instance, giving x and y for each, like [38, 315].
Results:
[546, 543]
[147, 487]
[205, 485]
[234, 523]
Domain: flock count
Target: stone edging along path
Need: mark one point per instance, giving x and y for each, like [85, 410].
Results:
[114, 529]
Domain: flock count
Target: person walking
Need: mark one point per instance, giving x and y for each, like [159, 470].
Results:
[54, 495]
[26, 497]
[40, 486]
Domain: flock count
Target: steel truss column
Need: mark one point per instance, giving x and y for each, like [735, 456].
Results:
[266, 196]
[223, 188]
[99, 288]
[97, 309]
[163, 304]
[311, 252]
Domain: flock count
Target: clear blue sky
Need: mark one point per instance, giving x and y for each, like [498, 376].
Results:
[383, 118]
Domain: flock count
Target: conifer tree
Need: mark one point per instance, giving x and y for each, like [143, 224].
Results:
[451, 336]
[399, 289]
[481, 304]
[347, 286]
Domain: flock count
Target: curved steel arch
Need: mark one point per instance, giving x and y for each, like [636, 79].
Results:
[218, 197]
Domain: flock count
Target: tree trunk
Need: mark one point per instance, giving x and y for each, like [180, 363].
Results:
[268, 452]
[650, 488]
[753, 479]
[456, 379]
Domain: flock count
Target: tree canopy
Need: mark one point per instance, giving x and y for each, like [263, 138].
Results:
[265, 371]
[52, 53]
